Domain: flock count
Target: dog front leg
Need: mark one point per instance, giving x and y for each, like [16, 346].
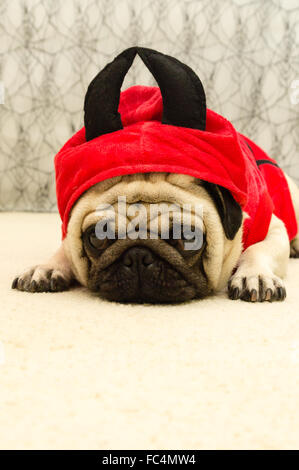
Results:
[54, 276]
[261, 267]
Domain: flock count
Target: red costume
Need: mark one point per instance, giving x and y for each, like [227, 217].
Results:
[145, 137]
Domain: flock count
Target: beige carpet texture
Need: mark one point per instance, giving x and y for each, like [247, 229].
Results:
[77, 372]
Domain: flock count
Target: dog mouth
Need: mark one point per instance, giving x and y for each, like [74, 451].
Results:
[142, 276]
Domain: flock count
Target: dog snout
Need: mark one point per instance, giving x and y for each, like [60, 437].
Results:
[138, 257]
[140, 275]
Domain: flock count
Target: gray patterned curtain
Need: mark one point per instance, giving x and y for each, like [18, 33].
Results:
[245, 51]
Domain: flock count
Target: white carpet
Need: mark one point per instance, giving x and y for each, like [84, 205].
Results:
[81, 373]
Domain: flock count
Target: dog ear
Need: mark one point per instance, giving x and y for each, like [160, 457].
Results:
[228, 209]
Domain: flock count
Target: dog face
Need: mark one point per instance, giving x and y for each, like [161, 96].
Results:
[161, 261]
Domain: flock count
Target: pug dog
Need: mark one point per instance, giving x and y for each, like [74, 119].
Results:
[154, 133]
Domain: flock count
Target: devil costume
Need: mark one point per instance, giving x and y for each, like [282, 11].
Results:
[168, 129]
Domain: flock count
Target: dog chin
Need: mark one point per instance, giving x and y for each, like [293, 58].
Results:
[131, 294]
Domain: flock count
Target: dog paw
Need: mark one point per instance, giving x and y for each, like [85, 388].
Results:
[42, 279]
[258, 288]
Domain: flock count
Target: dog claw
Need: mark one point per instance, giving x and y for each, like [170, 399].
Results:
[281, 293]
[234, 293]
[269, 295]
[253, 295]
[33, 286]
[58, 284]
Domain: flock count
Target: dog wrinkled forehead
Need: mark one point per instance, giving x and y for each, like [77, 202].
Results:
[154, 217]
[150, 197]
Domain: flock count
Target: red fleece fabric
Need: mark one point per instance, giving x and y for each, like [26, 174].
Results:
[218, 155]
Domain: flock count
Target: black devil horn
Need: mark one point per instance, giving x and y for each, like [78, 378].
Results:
[101, 114]
[184, 101]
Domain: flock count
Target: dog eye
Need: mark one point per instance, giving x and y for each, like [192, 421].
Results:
[96, 242]
[184, 243]
[179, 244]
[93, 243]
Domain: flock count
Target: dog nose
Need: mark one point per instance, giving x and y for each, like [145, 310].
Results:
[138, 256]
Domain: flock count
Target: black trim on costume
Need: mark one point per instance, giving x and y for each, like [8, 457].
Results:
[263, 162]
[249, 147]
